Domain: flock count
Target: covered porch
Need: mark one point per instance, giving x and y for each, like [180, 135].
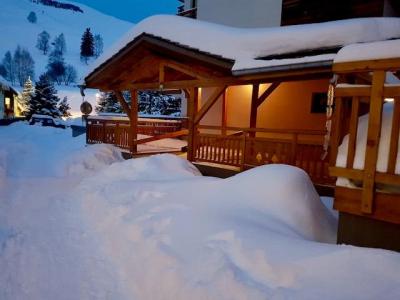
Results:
[224, 111]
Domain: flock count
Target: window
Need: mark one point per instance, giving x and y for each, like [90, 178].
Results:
[318, 103]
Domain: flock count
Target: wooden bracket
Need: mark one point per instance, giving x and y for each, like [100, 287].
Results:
[209, 103]
[122, 101]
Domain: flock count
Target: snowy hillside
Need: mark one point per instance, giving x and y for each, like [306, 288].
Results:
[16, 30]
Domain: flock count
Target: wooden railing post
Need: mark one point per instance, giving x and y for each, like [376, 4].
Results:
[117, 137]
[134, 121]
[192, 110]
[243, 149]
[373, 137]
[104, 140]
[294, 148]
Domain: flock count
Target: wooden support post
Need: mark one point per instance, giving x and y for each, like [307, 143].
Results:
[336, 130]
[224, 114]
[374, 131]
[192, 110]
[161, 75]
[134, 121]
[253, 109]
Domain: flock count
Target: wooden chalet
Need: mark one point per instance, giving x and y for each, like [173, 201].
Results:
[271, 114]
[8, 105]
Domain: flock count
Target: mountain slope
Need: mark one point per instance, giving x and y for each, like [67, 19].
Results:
[15, 29]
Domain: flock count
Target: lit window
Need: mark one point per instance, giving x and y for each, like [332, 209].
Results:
[8, 102]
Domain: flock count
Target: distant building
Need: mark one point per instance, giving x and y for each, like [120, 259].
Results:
[8, 103]
[271, 13]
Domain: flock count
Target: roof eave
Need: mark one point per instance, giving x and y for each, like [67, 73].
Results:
[285, 68]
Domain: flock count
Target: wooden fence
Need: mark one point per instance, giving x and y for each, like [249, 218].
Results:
[244, 149]
[117, 131]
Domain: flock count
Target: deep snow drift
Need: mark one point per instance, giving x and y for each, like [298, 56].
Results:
[80, 223]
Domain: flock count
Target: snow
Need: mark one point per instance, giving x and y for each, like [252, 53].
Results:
[245, 45]
[361, 142]
[369, 51]
[79, 222]
[164, 145]
[16, 30]
[34, 151]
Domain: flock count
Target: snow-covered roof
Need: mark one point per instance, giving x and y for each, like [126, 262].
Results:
[369, 51]
[251, 48]
[6, 85]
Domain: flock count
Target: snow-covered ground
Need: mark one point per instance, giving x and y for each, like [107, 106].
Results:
[79, 222]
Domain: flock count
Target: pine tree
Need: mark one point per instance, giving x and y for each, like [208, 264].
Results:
[32, 18]
[87, 45]
[43, 42]
[64, 107]
[44, 101]
[98, 45]
[156, 103]
[108, 103]
[26, 95]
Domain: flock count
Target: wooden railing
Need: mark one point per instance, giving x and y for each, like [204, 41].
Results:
[376, 193]
[246, 150]
[352, 102]
[117, 131]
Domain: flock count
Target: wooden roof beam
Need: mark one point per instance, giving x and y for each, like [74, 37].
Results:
[267, 93]
[209, 103]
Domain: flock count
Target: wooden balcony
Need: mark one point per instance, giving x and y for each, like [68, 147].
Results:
[376, 190]
[247, 148]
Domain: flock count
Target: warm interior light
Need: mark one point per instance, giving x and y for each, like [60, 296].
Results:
[389, 99]
[8, 102]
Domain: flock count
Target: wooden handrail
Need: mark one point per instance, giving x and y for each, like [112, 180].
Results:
[265, 130]
[163, 136]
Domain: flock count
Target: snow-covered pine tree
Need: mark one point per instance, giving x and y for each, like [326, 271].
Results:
[64, 107]
[157, 103]
[108, 103]
[87, 45]
[43, 42]
[26, 95]
[44, 101]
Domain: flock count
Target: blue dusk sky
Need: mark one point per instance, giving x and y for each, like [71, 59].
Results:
[133, 10]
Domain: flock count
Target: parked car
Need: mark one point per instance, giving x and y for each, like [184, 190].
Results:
[46, 121]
